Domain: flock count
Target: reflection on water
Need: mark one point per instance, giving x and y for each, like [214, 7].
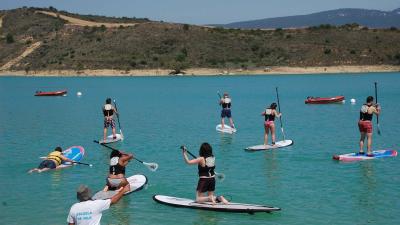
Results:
[206, 218]
[55, 178]
[226, 139]
[118, 212]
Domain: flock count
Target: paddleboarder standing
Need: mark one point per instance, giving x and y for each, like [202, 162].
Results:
[206, 166]
[108, 112]
[367, 111]
[269, 126]
[226, 102]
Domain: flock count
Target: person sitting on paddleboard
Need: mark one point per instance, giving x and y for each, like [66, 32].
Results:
[116, 178]
[270, 113]
[226, 102]
[365, 123]
[206, 166]
[108, 112]
[52, 161]
[88, 211]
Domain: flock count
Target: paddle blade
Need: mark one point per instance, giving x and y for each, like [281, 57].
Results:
[378, 130]
[151, 166]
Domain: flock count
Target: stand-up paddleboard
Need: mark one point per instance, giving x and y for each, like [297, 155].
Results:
[227, 129]
[136, 182]
[111, 139]
[230, 207]
[75, 153]
[279, 144]
[357, 157]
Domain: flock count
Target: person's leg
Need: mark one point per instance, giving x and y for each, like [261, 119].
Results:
[362, 138]
[200, 198]
[222, 123]
[104, 133]
[272, 128]
[113, 128]
[369, 143]
[265, 134]
[222, 199]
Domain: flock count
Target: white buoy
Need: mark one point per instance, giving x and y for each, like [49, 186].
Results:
[78, 93]
[353, 101]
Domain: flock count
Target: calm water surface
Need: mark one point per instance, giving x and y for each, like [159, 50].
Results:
[160, 114]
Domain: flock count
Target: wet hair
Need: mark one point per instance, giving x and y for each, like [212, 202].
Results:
[273, 105]
[108, 101]
[205, 150]
[370, 99]
[115, 153]
[83, 193]
[58, 149]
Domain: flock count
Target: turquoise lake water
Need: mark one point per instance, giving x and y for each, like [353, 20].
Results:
[159, 114]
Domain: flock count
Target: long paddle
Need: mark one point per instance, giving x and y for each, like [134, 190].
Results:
[280, 118]
[86, 164]
[119, 124]
[376, 101]
[220, 176]
[151, 166]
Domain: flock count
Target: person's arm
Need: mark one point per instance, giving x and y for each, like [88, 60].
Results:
[377, 109]
[119, 195]
[277, 114]
[221, 101]
[193, 161]
[125, 158]
[66, 159]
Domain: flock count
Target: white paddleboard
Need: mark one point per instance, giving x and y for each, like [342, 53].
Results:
[227, 129]
[136, 182]
[230, 207]
[279, 144]
[111, 139]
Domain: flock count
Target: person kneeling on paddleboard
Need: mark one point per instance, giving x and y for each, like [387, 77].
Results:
[206, 166]
[365, 124]
[225, 102]
[269, 126]
[116, 179]
[88, 211]
[108, 112]
[52, 161]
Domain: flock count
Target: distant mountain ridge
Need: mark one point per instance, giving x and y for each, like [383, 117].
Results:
[364, 17]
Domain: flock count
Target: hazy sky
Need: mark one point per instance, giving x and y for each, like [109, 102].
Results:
[201, 11]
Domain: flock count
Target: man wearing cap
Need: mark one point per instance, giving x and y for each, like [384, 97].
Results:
[88, 211]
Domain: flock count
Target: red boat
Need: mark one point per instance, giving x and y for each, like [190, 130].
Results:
[319, 100]
[51, 93]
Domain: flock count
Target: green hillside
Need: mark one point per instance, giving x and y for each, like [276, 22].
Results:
[161, 45]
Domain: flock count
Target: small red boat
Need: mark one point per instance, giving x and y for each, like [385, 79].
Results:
[51, 93]
[319, 100]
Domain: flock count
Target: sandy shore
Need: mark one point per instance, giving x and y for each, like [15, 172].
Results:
[208, 72]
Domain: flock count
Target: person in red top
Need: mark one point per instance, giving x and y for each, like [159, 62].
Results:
[365, 123]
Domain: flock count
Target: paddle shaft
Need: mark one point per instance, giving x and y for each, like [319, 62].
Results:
[87, 164]
[116, 108]
[279, 108]
[109, 147]
[376, 101]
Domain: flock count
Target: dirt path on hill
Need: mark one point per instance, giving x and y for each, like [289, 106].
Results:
[27, 51]
[80, 22]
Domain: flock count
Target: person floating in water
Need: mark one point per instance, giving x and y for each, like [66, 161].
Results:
[53, 160]
[365, 124]
[226, 103]
[206, 166]
[269, 126]
[108, 112]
